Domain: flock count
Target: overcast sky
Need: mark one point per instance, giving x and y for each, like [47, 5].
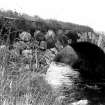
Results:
[84, 12]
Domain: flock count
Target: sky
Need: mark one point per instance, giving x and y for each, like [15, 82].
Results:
[83, 12]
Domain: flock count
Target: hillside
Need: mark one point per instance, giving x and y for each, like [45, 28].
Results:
[27, 47]
[48, 23]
